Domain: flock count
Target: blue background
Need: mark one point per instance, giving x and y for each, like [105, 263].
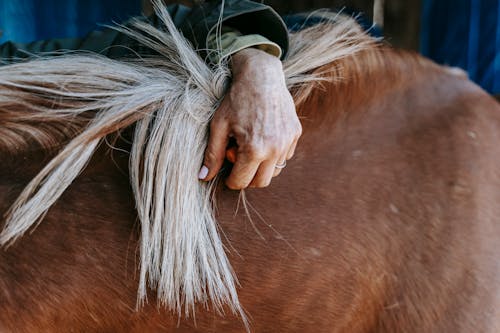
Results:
[464, 33]
[24, 21]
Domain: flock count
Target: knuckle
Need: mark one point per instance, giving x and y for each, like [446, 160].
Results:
[294, 135]
[275, 150]
[256, 151]
[295, 127]
[211, 156]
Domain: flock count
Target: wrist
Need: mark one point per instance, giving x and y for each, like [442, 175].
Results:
[253, 58]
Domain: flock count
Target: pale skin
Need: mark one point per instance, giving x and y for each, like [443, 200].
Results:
[259, 113]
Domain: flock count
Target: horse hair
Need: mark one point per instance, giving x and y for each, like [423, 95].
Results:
[170, 98]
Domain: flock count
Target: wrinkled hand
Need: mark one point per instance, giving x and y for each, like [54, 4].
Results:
[258, 111]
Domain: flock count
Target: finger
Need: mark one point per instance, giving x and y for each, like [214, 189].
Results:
[280, 161]
[243, 172]
[216, 150]
[264, 174]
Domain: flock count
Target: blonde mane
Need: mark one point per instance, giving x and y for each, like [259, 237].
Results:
[170, 99]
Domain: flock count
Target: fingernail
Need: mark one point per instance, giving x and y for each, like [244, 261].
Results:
[203, 172]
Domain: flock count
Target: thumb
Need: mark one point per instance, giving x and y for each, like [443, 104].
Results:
[216, 150]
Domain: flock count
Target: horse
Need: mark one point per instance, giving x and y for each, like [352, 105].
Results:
[384, 221]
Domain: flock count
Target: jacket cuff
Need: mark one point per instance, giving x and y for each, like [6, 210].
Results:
[232, 41]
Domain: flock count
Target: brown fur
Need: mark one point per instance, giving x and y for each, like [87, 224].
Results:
[385, 221]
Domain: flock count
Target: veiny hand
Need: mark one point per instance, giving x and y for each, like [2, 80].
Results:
[258, 111]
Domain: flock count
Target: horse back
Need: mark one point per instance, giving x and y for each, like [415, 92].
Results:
[385, 220]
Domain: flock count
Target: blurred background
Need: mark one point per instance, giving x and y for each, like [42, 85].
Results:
[464, 33]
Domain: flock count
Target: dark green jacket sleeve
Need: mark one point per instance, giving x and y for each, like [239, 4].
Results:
[246, 16]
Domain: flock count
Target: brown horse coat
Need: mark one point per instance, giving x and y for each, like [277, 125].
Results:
[385, 221]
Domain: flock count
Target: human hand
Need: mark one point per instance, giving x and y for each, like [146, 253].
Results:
[259, 113]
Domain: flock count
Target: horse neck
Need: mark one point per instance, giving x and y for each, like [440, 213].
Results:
[357, 83]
